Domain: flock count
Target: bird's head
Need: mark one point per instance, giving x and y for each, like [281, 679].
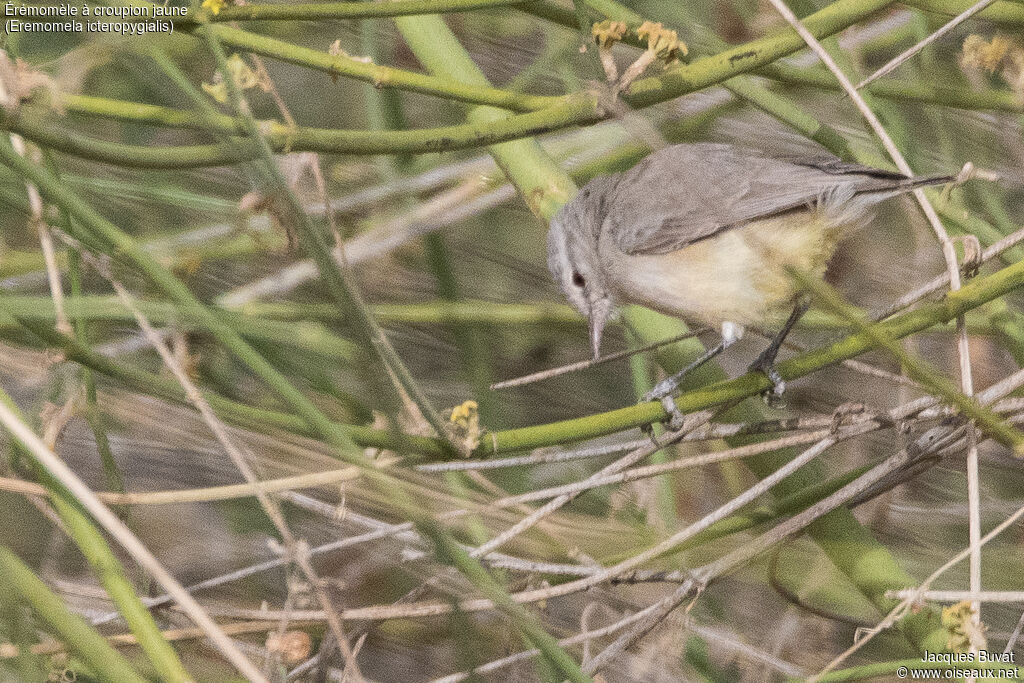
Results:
[574, 261]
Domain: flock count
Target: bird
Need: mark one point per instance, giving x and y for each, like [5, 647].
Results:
[705, 232]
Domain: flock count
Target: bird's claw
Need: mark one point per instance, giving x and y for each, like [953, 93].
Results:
[662, 389]
[773, 396]
[675, 416]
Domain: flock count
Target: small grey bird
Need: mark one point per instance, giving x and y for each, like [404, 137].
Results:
[704, 232]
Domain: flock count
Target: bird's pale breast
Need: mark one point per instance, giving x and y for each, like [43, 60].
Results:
[737, 276]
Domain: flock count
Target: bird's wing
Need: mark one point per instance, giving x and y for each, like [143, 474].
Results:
[686, 193]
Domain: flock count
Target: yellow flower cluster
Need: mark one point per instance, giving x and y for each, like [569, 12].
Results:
[998, 54]
[962, 632]
[979, 53]
[464, 425]
[607, 33]
[215, 6]
[242, 75]
[663, 42]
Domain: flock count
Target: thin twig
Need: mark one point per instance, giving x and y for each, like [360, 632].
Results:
[1012, 641]
[956, 596]
[176, 634]
[1008, 242]
[952, 267]
[692, 422]
[206, 494]
[35, 203]
[932, 441]
[907, 54]
[585, 364]
[238, 453]
[907, 603]
[132, 545]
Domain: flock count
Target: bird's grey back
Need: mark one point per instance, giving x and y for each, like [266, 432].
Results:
[688, 192]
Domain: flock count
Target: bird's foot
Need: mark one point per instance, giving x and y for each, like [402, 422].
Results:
[676, 419]
[667, 386]
[662, 391]
[766, 366]
[663, 388]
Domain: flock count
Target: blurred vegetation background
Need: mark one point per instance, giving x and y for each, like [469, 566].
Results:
[190, 191]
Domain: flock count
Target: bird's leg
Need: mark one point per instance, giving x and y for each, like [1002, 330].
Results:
[766, 361]
[670, 384]
[663, 390]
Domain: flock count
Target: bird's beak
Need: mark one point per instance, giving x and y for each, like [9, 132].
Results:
[599, 311]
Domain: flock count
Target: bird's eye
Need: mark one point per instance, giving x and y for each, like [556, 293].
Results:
[578, 280]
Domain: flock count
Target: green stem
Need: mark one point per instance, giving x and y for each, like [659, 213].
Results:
[568, 112]
[916, 91]
[1003, 12]
[432, 313]
[971, 296]
[348, 10]
[111, 575]
[920, 371]
[106, 663]
[336, 279]
[232, 411]
[379, 76]
[266, 320]
[92, 228]
[301, 334]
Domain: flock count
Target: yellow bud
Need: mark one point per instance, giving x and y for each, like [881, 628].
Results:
[607, 33]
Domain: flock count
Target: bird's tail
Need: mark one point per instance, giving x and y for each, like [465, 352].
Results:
[852, 204]
[890, 186]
